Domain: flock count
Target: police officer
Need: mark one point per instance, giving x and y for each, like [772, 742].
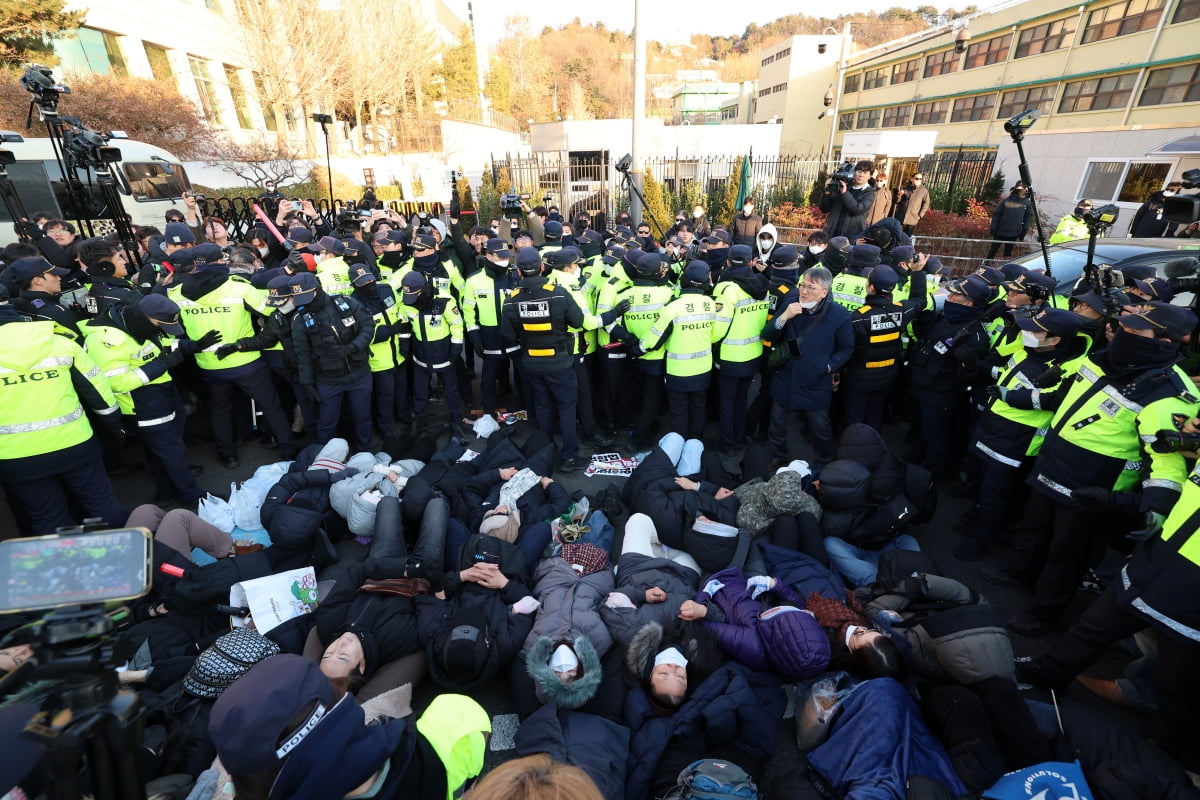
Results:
[108, 268]
[835, 256]
[49, 460]
[849, 288]
[332, 335]
[1095, 453]
[539, 314]
[393, 254]
[1006, 439]
[333, 272]
[944, 363]
[1024, 297]
[389, 378]
[687, 328]
[212, 299]
[784, 266]
[741, 303]
[134, 345]
[483, 303]
[436, 343]
[878, 327]
[443, 275]
[648, 295]
[615, 362]
[40, 284]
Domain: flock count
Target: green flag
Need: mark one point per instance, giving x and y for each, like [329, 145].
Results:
[743, 184]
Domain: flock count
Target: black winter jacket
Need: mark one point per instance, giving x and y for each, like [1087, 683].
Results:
[332, 338]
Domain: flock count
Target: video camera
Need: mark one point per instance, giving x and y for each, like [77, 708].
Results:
[72, 574]
[1184, 208]
[1182, 274]
[39, 81]
[1173, 441]
[510, 203]
[844, 174]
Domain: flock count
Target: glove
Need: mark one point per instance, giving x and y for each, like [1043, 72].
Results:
[295, 261]
[713, 586]
[341, 475]
[1154, 522]
[759, 584]
[618, 600]
[225, 350]
[455, 204]
[998, 392]
[1092, 498]
[193, 346]
[31, 229]
[526, 605]
[475, 339]
[616, 312]
[455, 351]
[171, 358]
[1049, 378]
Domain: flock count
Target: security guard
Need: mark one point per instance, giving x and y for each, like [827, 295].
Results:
[212, 299]
[564, 270]
[878, 327]
[1157, 589]
[332, 336]
[437, 341]
[333, 271]
[40, 283]
[135, 345]
[108, 268]
[540, 314]
[687, 329]
[849, 288]
[49, 460]
[389, 378]
[649, 294]
[741, 302]
[483, 302]
[1116, 402]
[1005, 439]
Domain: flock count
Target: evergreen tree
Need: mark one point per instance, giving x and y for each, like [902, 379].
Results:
[28, 29]
[656, 214]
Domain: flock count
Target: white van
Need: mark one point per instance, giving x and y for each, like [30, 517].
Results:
[150, 181]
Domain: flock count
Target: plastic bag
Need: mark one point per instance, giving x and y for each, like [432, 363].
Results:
[215, 511]
[485, 426]
[253, 491]
[818, 706]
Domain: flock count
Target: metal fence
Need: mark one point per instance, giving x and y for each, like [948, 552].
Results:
[953, 176]
[239, 217]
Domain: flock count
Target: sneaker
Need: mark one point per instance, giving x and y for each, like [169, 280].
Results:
[1092, 583]
[571, 464]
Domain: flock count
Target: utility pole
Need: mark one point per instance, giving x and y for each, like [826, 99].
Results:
[639, 109]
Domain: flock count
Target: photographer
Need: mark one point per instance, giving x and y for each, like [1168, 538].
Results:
[537, 222]
[847, 198]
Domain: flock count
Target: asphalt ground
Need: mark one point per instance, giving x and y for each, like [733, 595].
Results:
[938, 537]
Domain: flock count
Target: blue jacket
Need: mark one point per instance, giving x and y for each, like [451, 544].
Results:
[735, 712]
[878, 742]
[598, 746]
[802, 572]
[804, 382]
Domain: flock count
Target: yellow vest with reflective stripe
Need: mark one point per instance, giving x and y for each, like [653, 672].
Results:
[386, 355]
[39, 410]
[223, 309]
[692, 319]
[740, 322]
[646, 303]
[334, 275]
[120, 358]
[849, 291]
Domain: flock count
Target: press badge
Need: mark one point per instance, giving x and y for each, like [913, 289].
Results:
[1110, 408]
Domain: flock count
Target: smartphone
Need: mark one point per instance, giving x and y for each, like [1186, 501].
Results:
[46, 572]
[297, 205]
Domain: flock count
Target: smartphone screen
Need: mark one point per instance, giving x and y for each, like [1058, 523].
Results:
[45, 572]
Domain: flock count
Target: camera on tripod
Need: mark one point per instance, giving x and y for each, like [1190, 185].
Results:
[1182, 274]
[1102, 217]
[39, 81]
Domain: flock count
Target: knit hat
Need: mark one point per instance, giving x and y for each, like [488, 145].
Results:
[228, 658]
[903, 252]
[461, 648]
[178, 233]
[762, 502]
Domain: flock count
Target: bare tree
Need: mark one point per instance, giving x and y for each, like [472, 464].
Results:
[258, 161]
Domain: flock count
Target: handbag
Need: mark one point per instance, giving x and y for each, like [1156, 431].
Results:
[785, 351]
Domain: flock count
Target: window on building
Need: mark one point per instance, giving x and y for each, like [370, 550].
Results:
[896, 116]
[989, 51]
[1173, 85]
[1097, 93]
[268, 109]
[1018, 100]
[846, 121]
[931, 113]
[1122, 19]
[874, 78]
[204, 87]
[764, 92]
[160, 62]
[941, 63]
[768, 60]
[906, 71]
[779, 87]
[972, 109]
[1123, 181]
[237, 90]
[784, 53]
[90, 50]
[867, 119]
[851, 83]
[1186, 10]
[1046, 38]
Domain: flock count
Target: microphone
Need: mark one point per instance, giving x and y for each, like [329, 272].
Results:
[1181, 267]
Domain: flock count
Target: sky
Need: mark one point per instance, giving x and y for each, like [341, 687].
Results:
[668, 21]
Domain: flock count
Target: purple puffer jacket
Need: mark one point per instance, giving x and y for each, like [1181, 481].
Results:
[791, 643]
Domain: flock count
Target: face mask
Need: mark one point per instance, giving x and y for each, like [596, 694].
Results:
[428, 260]
[502, 263]
[671, 656]
[747, 210]
[1128, 350]
[766, 243]
[563, 659]
[411, 298]
[716, 258]
[1168, 193]
[697, 214]
[262, 251]
[816, 249]
[496, 230]
[288, 307]
[809, 305]
[958, 314]
[1030, 339]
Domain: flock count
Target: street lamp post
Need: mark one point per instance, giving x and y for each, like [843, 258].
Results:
[833, 95]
